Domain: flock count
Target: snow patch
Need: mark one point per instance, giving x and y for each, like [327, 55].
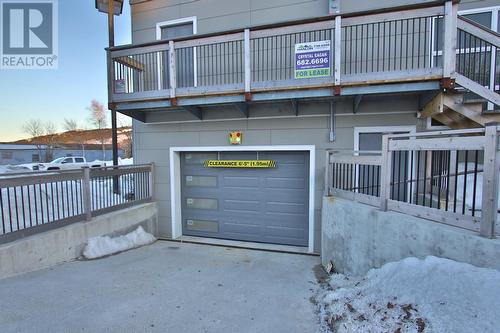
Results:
[102, 246]
[14, 168]
[413, 295]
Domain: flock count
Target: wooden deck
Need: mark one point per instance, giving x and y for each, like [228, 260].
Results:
[392, 52]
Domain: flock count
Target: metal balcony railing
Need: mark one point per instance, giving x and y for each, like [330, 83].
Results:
[387, 47]
[37, 201]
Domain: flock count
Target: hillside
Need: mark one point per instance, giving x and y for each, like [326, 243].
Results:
[90, 138]
[80, 136]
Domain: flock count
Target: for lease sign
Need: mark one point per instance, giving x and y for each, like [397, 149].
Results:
[312, 59]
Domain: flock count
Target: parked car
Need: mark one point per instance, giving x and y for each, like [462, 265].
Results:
[68, 163]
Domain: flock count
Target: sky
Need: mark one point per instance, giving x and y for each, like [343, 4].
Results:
[66, 92]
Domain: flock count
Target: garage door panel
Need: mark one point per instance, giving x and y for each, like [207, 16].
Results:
[202, 225]
[202, 203]
[286, 207]
[285, 220]
[291, 170]
[285, 182]
[240, 194]
[198, 158]
[273, 231]
[242, 228]
[202, 192]
[200, 181]
[261, 205]
[239, 181]
[243, 205]
[201, 214]
[239, 155]
[284, 195]
[284, 157]
[286, 240]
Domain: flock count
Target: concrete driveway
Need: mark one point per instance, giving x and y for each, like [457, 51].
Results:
[166, 287]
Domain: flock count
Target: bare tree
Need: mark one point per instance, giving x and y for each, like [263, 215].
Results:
[100, 122]
[71, 125]
[34, 128]
[50, 138]
[126, 142]
[125, 135]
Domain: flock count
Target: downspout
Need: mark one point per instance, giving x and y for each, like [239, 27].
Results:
[332, 121]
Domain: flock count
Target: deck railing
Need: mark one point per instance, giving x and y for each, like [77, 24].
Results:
[413, 45]
[37, 201]
[450, 177]
[384, 47]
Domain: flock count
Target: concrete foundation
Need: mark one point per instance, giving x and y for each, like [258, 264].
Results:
[65, 244]
[357, 237]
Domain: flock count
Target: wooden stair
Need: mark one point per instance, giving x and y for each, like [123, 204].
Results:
[451, 110]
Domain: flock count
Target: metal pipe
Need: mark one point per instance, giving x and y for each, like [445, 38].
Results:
[332, 121]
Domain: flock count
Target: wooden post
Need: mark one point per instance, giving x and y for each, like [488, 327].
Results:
[173, 72]
[248, 69]
[87, 200]
[491, 176]
[337, 51]
[450, 39]
[152, 182]
[385, 173]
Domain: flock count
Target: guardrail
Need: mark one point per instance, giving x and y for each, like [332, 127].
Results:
[33, 202]
[478, 54]
[450, 177]
[383, 47]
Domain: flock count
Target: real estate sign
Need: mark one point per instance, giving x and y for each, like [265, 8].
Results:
[312, 59]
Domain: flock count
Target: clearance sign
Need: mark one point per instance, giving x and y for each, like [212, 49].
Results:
[240, 164]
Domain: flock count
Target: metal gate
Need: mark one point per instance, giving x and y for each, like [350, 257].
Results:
[268, 205]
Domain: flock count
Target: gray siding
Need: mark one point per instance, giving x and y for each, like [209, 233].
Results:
[152, 141]
[221, 15]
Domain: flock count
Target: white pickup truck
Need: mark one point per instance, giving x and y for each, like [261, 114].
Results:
[68, 163]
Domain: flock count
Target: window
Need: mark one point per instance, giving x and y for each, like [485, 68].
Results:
[483, 18]
[169, 32]
[67, 160]
[368, 140]
[184, 27]
[79, 160]
[6, 155]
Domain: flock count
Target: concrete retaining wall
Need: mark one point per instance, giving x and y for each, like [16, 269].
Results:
[358, 237]
[66, 244]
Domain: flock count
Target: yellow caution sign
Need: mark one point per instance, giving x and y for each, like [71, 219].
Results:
[240, 164]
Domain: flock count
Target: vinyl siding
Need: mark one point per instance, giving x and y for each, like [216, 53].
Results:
[221, 15]
[152, 141]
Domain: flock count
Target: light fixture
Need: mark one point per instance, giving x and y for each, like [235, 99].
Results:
[102, 6]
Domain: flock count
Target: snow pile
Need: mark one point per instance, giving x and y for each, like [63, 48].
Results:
[413, 295]
[126, 161]
[13, 168]
[469, 188]
[121, 161]
[98, 247]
